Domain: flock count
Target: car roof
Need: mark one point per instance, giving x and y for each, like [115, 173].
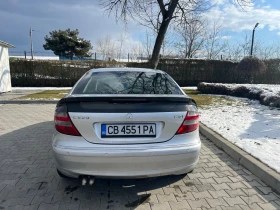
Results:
[126, 69]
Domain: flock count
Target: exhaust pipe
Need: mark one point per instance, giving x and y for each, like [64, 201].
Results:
[84, 181]
[87, 179]
[91, 181]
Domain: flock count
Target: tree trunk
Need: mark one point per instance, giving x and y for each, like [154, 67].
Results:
[161, 33]
[158, 44]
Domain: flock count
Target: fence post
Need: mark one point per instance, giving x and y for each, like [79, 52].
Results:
[95, 56]
[25, 55]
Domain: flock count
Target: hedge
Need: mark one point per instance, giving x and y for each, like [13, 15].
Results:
[26, 73]
[190, 72]
[187, 72]
[265, 97]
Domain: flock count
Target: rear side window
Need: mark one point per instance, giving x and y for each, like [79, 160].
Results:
[125, 82]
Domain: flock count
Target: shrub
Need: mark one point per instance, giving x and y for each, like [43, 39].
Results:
[249, 67]
[238, 90]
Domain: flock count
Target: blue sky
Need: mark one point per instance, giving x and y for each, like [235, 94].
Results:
[18, 15]
[237, 22]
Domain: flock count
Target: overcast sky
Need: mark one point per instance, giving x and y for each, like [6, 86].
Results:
[17, 16]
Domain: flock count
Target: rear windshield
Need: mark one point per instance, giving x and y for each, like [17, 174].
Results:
[125, 82]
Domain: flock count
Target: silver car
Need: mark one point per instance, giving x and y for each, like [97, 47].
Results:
[126, 123]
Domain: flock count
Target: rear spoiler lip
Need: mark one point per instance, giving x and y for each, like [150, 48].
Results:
[179, 99]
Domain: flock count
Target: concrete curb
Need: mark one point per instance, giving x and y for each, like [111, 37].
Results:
[28, 102]
[266, 174]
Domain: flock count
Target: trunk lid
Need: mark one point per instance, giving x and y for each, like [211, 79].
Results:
[90, 114]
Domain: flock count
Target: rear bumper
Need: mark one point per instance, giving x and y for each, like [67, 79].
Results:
[124, 161]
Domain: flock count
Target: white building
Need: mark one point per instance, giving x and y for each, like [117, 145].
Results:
[5, 76]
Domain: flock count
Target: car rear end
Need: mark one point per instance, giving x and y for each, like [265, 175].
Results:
[126, 123]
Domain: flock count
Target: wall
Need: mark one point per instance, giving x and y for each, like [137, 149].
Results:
[5, 77]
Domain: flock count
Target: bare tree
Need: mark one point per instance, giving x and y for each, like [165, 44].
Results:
[192, 36]
[267, 50]
[232, 50]
[147, 42]
[106, 47]
[121, 43]
[213, 44]
[158, 14]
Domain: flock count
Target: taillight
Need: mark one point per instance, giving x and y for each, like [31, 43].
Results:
[63, 123]
[190, 123]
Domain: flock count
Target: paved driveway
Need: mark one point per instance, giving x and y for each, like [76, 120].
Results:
[28, 178]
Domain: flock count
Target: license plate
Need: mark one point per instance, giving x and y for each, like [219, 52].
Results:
[128, 130]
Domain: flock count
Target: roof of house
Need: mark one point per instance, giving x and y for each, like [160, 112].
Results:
[6, 44]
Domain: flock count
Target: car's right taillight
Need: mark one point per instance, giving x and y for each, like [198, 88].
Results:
[190, 123]
[63, 123]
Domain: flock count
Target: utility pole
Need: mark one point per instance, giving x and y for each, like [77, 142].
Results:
[32, 53]
[253, 35]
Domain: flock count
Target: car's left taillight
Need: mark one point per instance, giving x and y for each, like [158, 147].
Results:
[191, 121]
[63, 123]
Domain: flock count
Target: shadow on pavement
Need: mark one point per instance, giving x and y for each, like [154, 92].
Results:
[27, 170]
[29, 180]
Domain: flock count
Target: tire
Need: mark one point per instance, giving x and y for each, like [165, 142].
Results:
[62, 175]
[190, 172]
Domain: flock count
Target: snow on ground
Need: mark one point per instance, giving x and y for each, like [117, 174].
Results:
[267, 89]
[190, 88]
[248, 124]
[37, 57]
[267, 93]
[41, 88]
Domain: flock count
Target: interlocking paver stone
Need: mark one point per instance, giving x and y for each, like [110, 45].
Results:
[220, 180]
[252, 199]
[265, 190]
[28, 177]
[199, 195]
[207, 181]
[161, 206]
[231, 207]
[236, 185]
[141, 207]
[253, 206]
[195, 176]
[166, 198]
[222, 186]
[214, 202]
[236, 192]
[209, 174]
[234, 201]
[198, 204]
[180, 205]
[184, 196]
[204, 187]
[270, 206]
[218, 193]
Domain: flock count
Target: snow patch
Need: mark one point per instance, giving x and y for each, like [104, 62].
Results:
[249, 125]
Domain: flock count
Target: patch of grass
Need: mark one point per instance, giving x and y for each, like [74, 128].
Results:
[207, 100]
[46, 95]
